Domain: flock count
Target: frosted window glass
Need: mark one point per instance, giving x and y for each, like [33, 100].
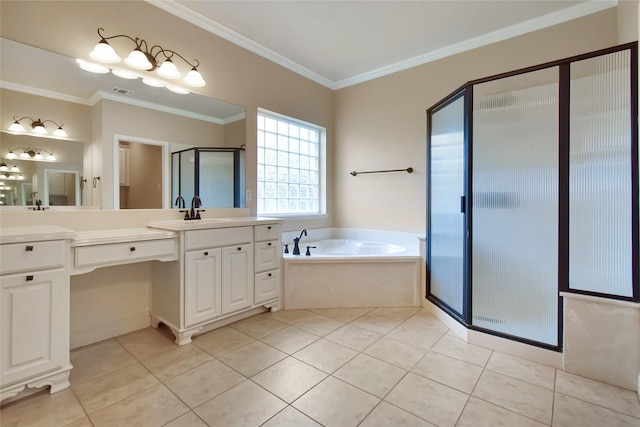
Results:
[446, 231]
[515, 206]
[600, 176]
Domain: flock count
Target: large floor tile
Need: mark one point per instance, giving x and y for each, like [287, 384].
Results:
[461, 350]
[354, 337]
[84, 422]
[516, 395]
[290, 417]
[446, 370]
[386, 415]
[396, 313]
[246, 404]
[153, 407]
[336, 403]
[396, 352]
[252, 358]
[416, 335]
[376, 323]
[100, 360]
[43, 409]
[345, 315]
[92, 349]
[609, 396]
[424, 319]
[325, 355]
[204, 382]
[113, 387]
[479, 413]
[291, 316]
[289, 378]
[371, 375]
[570, 412]
[428, 400]
[522, 369]
[319, 325]
[222, 341]
[147, 342]
[259, 326]
[190, 419]
[176, 361]
[290, 339]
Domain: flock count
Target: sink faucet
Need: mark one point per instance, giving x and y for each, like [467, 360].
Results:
[296, 240]
[180, 202]
[195, 204]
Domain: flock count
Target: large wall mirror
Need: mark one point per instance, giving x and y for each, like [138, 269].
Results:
[121, 134]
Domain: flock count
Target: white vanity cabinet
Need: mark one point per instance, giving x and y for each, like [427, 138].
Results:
[34, 310]
[215, 280]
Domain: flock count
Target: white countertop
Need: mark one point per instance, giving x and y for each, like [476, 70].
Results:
[118, 235]
[34, 233]
[197, 224]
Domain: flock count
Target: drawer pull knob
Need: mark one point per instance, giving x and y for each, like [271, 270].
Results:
[29, 278]
[29, 248]
[132, 248]
[269, 274]
[269, 244]
[239, 248]
[206, 253]
[269, 228]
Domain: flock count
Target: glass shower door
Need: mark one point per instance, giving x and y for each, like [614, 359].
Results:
[515, 206]
[446, 190]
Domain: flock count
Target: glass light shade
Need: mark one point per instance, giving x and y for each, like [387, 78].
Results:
[138, 60]
[13, 169]
[51, 157]
[40, 130]
[153, 82]
[177, 89]
[10, 156]
[168, 70]
[60, 132]
[38, 156]
[20, 176]
[193, 78]
[91, 67]
[3, 167]
[125, 74]
[103, 52]
[25, 155]
[16, 127]
[11, 177]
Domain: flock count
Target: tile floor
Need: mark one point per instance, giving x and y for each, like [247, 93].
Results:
[382, 367]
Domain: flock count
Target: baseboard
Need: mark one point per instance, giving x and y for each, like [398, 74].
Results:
[109, 329]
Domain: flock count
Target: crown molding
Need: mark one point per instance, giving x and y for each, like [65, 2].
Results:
[568, 14]
[43, 92]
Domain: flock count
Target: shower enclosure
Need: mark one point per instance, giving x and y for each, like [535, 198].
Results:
[533, 190]
[216, 175]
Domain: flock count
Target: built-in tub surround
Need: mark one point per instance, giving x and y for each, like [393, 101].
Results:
[358, 268]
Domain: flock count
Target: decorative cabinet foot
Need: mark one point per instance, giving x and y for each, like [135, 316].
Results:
[184, 337]
[57, 382]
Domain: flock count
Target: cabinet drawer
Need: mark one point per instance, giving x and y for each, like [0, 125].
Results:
[122, 253]
[209, 238]
[267, 286]
[267, 255]
[32, 256]
[267, 232]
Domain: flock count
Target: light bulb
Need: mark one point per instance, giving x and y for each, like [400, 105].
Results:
[60, 132]
[138, 60]
[168, 70]
[193, 78]
[91, 67]
[125, 74]
[103, 52]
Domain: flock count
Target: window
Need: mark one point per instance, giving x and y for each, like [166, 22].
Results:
[290, 164]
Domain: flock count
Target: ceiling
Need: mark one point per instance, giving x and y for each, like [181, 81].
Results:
[341, 43]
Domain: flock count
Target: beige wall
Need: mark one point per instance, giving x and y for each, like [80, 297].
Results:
[381, 124]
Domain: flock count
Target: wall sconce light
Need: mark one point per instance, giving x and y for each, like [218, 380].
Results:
[12, 173]
[29, 153]
[37, 127]
[143, 58]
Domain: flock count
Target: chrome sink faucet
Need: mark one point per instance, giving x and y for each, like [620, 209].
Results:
[296, 240]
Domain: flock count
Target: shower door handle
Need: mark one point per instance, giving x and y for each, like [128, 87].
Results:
[463, 208]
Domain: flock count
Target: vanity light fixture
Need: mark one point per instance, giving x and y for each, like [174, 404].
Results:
[29, 153]
[37, 126]
[144, 58]
[5, 168]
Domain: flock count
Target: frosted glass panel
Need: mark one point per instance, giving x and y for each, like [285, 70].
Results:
[216, 178]
[600, 176]
[446, 265]
[515, 206]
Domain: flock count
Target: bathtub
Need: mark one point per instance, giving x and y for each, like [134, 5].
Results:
[352, 268]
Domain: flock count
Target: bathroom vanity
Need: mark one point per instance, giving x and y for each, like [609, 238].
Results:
[205, 273]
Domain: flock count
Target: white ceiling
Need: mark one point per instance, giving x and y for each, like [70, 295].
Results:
[341, 43]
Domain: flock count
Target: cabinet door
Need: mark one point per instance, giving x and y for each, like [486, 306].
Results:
[34, 331]
[237, 278]
[202, 286]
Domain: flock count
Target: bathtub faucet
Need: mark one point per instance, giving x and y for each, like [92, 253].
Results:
[296, 248]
